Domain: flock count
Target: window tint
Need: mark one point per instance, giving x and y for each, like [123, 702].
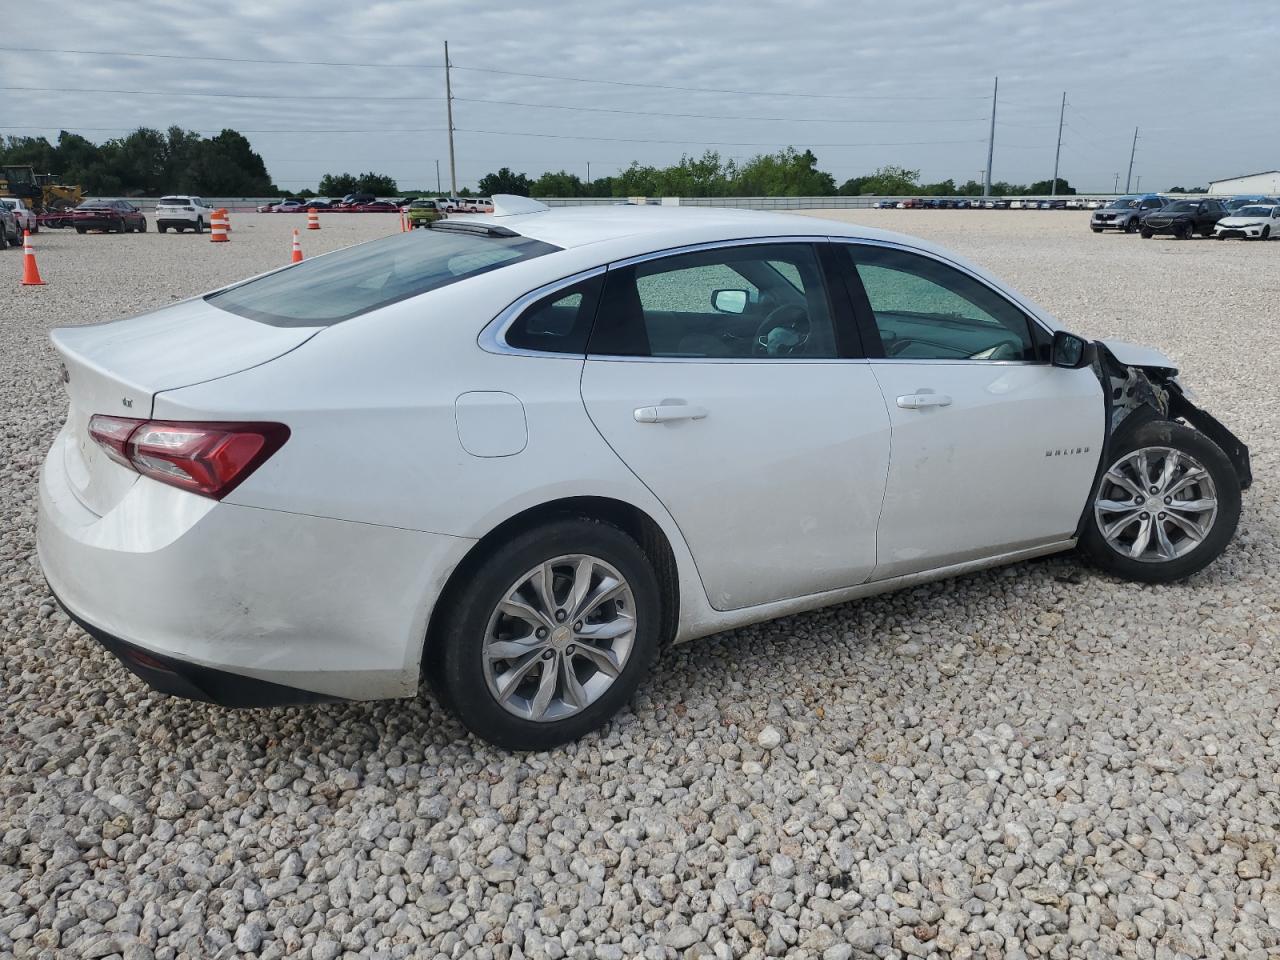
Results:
[925, 310]
[560, 322]
[329, 289]
[667, 307]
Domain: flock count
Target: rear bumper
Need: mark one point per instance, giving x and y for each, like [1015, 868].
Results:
[206, 596]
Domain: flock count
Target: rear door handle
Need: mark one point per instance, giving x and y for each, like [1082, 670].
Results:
[669, 413]
[918, 401]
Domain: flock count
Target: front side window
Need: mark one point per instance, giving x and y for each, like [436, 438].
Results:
[925, 310]
[341, 285]
[765, 301]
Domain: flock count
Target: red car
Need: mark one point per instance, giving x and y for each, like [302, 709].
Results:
[110, 216]
[378, 206]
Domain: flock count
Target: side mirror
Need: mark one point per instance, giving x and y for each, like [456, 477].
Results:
[1069, 351]
[729, 301]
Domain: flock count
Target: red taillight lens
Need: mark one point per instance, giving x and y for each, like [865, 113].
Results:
[210, 459]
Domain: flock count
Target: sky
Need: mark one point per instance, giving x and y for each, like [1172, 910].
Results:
[553, 84]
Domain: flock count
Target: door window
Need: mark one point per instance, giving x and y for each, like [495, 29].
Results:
[925, 310]
[763, 301]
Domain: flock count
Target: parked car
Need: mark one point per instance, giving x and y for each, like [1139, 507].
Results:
[884, 204]
[623, 435]
[319, 203]
[423, 213]
[10, 231]
[378, 206]
[356, 199]
[1124, 213]
[24, 215]
[1094, 204]
[1235, 203]
[291, 206]
[109, 216]
[1183, 219]
[182, 212]
[1256, 222]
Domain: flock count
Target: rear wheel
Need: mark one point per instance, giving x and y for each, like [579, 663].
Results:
[142, 225]
[550, 636]
[1166, 507]
[1266, 232]
[1131, 225]
[199, 224]
[1096, 229]
[1146, 234]
[80, 229]
[163, 229]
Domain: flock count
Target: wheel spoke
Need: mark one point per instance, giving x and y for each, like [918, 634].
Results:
[1143, 467]
[1164, 547]
[1124, 483]
[1188, 526]
[1113, 530]
[619, 626]
[1117, 506]
[1193, 506]
[546, 688]
[513, 606]
[581, 585]
[1171, 461]
[512, 679]
[544, 585]
[608, 588]
[1191, 477]
[512, 649]
[1139, 545]
[573, 692]
[604, 660]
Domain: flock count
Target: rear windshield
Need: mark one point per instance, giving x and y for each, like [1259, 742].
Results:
[175, 201]
[345, 284]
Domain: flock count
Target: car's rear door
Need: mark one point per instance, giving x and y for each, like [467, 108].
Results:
[993, 449]
[756, 424]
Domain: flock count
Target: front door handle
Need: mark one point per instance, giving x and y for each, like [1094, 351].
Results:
[669, 413]
[918, 401]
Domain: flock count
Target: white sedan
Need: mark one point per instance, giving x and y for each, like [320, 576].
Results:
[1255, 222]
[514, 455]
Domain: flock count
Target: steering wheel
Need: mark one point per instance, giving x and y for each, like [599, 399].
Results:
[783, 333]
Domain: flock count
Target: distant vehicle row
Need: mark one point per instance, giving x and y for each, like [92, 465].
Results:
[366, 203]
[1151, 215]
[985, 203]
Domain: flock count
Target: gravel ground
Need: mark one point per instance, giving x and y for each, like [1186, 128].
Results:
[1034, 762]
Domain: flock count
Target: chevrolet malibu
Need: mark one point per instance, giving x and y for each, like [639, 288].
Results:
[515, 455]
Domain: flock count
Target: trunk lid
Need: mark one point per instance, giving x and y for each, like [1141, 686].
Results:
[117, 368]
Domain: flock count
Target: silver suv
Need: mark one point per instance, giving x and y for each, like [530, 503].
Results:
[1124, 213]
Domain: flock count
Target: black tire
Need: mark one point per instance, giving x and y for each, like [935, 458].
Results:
[1146, 234]
[1266, 233]
[199, 224]
[454, 662]
[1226, 489]
[161, 228]
[80, 229]
[1096, 229]
[1132, 225]
[1188, 232]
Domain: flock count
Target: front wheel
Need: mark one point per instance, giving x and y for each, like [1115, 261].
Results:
[1266, 233]
[1096, 229]
[1147, 234]
[550, 636]
[1131, 226]
[1166, 507]
[142, 226]
[199, 224]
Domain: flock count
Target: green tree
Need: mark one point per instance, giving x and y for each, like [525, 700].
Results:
[560, 183]
[227, 166]
[890, 181]
[337, 184]
[787, 173]
[1045, 187]
[507, 181]
[379, 184]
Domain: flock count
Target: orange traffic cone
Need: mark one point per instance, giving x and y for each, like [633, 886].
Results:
[297, 249]
[30, 273]
[226, 218]
[218, 227]
[313, 219]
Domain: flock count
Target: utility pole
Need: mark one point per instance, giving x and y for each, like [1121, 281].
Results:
[588, 173]
[1138, 185]
[1132, 151]
[1115, 188]
[991, 141]
[1053, 187]
[437, 176]
[448, 96]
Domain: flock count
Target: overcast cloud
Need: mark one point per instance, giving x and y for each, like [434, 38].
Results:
[1199, 79]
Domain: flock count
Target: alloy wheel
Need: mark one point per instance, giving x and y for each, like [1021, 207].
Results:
[1156, 504]
[559, 637]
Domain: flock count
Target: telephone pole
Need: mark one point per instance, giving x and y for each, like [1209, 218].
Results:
[991, 141]
[437, 176]
[588, 173]
[1053, 187]
[1115, 187]
[448, 96]
[1132, 151]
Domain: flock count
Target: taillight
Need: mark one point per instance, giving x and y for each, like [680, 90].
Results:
[210, 459]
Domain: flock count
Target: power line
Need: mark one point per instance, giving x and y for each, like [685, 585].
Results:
[72, 128]
[490, 70]
[709, 116]
[705, 143]
[236, 96]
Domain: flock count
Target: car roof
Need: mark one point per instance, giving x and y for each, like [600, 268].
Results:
[649, 228]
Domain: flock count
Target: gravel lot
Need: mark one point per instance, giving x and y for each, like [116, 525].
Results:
[1034, 762]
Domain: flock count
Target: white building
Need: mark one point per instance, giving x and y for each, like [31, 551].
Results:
[1266, 184]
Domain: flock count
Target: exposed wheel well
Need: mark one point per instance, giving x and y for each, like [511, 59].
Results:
[634, 521]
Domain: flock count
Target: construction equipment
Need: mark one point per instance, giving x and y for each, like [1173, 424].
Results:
[43, 192]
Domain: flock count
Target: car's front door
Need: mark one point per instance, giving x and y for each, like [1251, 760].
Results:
[993, 449]
[724, 379]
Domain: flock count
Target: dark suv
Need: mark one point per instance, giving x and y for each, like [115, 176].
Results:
[1183, 219]
[1124, 213]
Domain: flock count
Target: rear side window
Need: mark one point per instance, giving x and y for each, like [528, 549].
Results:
[175, 201]
[345, 284]
[560, 322]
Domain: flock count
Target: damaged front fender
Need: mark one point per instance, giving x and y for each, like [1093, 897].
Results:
[1149, 389]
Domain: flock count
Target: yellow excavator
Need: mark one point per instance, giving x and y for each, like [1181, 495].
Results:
[43, 192]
